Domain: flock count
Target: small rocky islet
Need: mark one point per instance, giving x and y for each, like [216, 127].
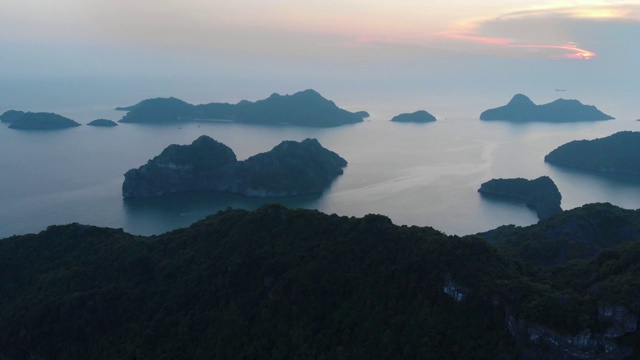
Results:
[103, 123]
[420, 116]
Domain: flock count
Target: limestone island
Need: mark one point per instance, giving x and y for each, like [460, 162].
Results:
[305, 108]
[36, 121]
[614, 154]
[289, 169]
[522, 109]
[103, 123]
[541, 194]
[419, 116]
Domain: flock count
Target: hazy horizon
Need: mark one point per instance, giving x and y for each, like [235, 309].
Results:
[73, 54]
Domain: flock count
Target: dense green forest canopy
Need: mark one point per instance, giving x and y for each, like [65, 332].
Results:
[280, 283]
[614, 154]
[579, 233]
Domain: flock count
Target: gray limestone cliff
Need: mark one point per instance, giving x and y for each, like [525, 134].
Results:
[538, 341]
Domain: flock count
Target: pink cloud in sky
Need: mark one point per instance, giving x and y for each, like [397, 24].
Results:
[571, 51]
[574, 52]
[546, 31]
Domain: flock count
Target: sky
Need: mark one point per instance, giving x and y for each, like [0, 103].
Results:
[197, 49]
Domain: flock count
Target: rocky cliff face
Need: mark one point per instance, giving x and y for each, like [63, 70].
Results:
[539, 341]
[291, 168]
[203, 165]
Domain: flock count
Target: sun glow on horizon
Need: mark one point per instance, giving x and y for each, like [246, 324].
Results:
[485, 31]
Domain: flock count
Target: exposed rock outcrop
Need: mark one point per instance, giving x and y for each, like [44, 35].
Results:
[540, 342]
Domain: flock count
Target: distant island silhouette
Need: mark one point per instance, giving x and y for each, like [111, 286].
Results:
[614, 154]
[420, 116]
[103, 123]
[289, 169]
[540, 194]
[362, 114]
[11, 116]
[304, 108]
[36, 121]
[522, 109]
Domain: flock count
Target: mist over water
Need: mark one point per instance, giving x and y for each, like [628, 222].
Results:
[417, 174]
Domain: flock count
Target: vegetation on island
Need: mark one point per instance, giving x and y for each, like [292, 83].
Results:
[103, 123]
[579, 233]
[419, 116]
[522, 109]
[279, 283]
[10, 116]
[304, 108]
[614, 154]
[36, 121]
[541, 194]
[289, 169]
[362, 114]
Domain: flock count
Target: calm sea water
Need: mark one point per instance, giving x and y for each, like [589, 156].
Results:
[417, 174]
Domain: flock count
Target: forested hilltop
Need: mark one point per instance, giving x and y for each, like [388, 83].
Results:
[291, 168]
[278, 283]
[614, 154]
[521, 109]
[580, 233]
[304, 108]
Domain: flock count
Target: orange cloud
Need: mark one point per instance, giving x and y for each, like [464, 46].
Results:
[574, 52]
[540, 28]
[571, 50]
